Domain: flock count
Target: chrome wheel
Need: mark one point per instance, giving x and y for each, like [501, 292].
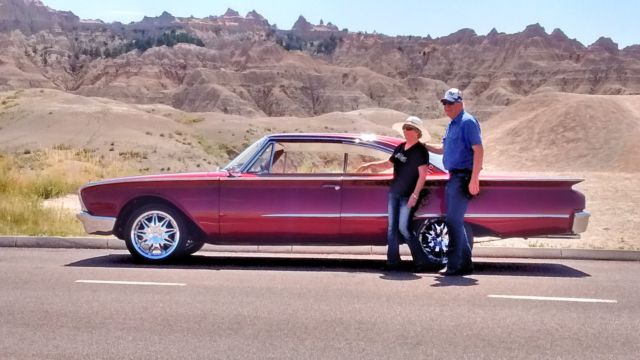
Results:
[434, 238]
[155, 234]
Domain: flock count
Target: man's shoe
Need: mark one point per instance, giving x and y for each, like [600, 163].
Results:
[458, 272]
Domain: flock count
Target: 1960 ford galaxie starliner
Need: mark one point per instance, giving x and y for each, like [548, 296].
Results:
[303, 189]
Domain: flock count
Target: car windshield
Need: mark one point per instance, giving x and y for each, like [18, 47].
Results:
[245, 156]
[436, 160]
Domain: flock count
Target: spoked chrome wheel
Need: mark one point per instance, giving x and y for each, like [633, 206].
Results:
[156, 232]
[434, 238]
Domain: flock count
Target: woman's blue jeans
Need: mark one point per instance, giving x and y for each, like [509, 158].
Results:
[400, 217]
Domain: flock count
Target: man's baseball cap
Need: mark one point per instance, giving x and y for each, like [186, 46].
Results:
[452, 95]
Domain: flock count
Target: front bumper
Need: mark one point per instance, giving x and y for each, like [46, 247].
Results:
[580, 222]
[99, 225]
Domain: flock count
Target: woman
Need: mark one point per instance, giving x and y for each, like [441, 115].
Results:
[409, 161]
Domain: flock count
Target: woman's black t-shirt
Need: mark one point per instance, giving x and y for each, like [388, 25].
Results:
[405, 168]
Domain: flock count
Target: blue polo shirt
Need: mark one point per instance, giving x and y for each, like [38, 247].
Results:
[462, 133]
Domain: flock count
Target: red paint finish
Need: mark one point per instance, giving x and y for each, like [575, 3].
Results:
[280, 209]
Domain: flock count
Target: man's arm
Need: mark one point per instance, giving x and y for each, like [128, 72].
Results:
[434, 149]
[478, 156]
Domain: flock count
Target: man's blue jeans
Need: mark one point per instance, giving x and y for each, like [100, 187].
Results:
[459, 253]
[399, 223]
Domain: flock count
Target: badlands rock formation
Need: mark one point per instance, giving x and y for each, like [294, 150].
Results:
[545, 101]
[248, 67]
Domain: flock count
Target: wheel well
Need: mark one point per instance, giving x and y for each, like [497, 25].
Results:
[132, 205]
[480, 231]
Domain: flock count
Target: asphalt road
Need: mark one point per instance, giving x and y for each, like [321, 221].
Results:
[97, 304]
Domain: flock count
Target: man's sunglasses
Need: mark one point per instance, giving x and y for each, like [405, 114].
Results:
[447, 102]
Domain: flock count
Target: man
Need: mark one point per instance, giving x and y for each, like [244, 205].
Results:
[409, 161]
[463, 155]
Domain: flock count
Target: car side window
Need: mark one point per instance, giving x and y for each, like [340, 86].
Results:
[361, 154]
[321, 157]
[308, 158]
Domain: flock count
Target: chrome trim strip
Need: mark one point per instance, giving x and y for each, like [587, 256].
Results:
[136, 179]
[324, 215]
[365, 215]
[528, 216]
[100, 225]
[530, 179]
[422, 216]
[338, 177]
[429, 216]
[372, 177]
[494, 216]
[580, 222]
[302, 215]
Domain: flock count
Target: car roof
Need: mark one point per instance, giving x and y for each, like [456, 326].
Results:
[386, 141]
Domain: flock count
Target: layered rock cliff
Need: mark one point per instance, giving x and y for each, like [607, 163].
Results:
[244, 65]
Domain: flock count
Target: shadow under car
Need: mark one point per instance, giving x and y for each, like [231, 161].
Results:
[248, 262]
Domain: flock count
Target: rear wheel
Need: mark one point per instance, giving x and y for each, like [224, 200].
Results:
[156, 233]
[433, 235]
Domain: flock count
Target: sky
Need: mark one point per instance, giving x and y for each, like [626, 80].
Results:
[584, 20]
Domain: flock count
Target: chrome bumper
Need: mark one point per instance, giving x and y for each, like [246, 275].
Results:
[580, 222]
[99, 225]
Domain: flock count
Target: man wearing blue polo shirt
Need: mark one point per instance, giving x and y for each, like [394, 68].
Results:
[463, 153]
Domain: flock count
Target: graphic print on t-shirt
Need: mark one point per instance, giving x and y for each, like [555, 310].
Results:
[400, 156]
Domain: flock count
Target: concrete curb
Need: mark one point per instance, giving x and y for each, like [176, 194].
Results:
[478, 251]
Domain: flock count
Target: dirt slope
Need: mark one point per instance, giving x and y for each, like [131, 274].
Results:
[566, 132]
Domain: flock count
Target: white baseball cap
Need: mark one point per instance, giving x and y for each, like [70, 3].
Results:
[452, 95]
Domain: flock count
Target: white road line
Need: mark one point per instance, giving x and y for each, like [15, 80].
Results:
[128, 282]
[546, 298]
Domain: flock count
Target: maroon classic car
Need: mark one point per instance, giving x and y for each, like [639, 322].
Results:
[303, 189]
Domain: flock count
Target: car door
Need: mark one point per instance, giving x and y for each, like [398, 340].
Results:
[290, 194]
[364, 198]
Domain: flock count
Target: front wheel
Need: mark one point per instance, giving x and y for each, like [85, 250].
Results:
[433, 235]
[156, 233]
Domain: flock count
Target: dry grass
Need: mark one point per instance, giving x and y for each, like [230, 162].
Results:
[25, 215]
[28, 178]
